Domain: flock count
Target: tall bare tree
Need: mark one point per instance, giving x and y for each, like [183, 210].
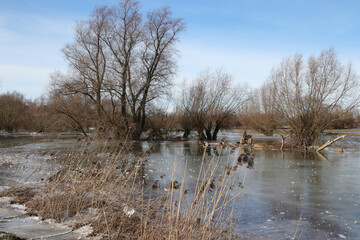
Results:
[161, 32]
[125, 34]
[210, 100]
[121, 63]
[87, 58]
[310, 98]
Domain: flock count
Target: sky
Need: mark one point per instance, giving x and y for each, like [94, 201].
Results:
[244, 38]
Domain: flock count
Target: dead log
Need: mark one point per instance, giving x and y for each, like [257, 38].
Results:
[328, 143]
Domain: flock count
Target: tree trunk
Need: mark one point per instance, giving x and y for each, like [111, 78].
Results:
[216, 131]
[123, 100]
[187, 132]
[98, 104]
[208, 134]
[201, 134]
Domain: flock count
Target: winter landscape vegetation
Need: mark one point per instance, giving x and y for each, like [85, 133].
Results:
[118, 147]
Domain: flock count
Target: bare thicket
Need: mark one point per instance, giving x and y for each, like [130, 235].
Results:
[309, 98]
[38, 116]
[346, 121]
[12, 109]
[20, 114]
[259, 115]
[120, 64]
[209, 101]
[76, 108]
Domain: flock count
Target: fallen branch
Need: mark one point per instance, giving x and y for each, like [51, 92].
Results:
[328, 143]
[322, 156]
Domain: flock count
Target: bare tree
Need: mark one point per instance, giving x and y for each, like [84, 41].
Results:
[39, 115]
[210, 100]
[346, 121]
[13, 108]
[87, 58]
[161, 32]
[76, 107]
[258, 115]
[121, 64]
[124, 35]
[310, 98]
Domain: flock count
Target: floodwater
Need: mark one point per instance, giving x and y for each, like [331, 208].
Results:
[287, 193]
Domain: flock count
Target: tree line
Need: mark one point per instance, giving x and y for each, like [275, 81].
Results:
[121, 65]
[19, 114]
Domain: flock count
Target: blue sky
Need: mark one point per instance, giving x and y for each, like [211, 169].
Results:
[245, 38]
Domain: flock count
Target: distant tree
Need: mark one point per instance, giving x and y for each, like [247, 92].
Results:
[163, 124]
[124, 36]
[76, 107]
[38, 116]
[13, 108]
[346, 121]
[259, 115]
[209, 101]
[310, 98]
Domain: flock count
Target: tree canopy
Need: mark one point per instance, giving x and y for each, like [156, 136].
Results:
[119, 63]
[310, 97]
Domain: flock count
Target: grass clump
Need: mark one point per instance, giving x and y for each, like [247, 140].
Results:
[8, 236]
[20, 194]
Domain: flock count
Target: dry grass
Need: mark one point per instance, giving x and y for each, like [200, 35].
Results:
[20, 194]
[112, 187]
[7, 236]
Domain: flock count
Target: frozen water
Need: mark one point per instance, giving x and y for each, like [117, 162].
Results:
[284, 191]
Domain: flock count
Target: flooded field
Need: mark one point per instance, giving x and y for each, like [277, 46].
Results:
[286, 194]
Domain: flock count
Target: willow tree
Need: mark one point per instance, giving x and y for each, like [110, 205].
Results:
[161, 32]
[210, 100]
[121, 63]
[123, 38]
[310, 97]
[87, 58]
